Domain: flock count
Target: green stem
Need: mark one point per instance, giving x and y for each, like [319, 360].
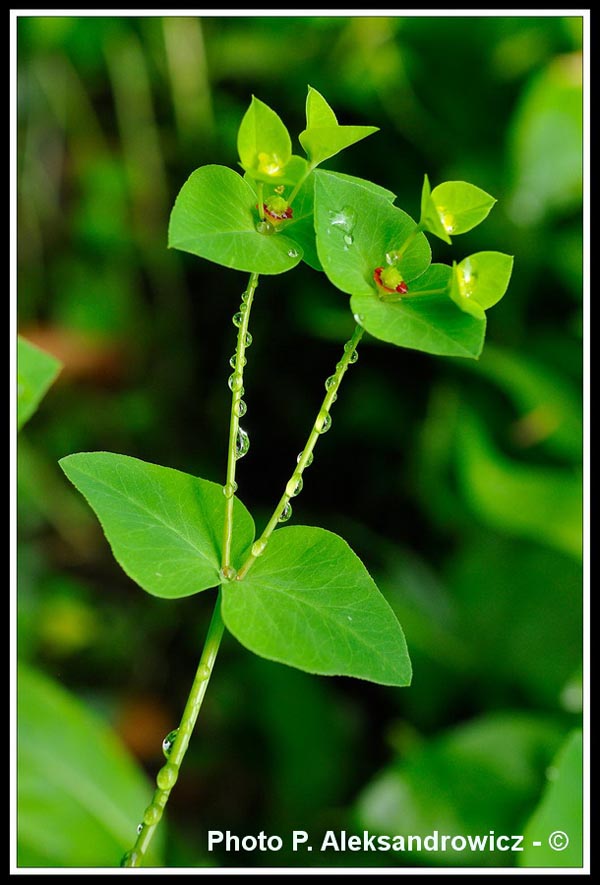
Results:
[261, 202]
[168, 774]
[321, 424]
[237, 388]
[299, 184]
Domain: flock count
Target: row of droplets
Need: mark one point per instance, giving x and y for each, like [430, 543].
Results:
[165, 781]
[236, 385]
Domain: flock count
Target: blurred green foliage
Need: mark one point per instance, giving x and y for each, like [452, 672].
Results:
[459, 483]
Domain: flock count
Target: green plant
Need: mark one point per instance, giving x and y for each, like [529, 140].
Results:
[299, 596]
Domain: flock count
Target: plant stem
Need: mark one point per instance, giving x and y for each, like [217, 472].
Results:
[299, 184]
[236, 384]
[319, 426]
[168, 774]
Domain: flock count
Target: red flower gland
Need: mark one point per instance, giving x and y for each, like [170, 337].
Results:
[277, 209]
[390, 280]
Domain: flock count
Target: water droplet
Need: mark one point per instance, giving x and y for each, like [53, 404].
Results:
[167, 777]
[235, 381]
[353, 357]
[139, 829]
[332, 382]
[349, 617]
[258, 548]
[265, 228]
[447, 219]
[228, 573]
[294, 486]
[168, 742]
[237, 320]
[130, 859]
[203, 672]
[285, 513]
[152, 815]
[240, 408]
[323, 422]
[233, 361]
[393, 257]
[248, 340]
[309, 460]
[348, 239]
[242, 444]
[359, 318]
[243, 307]
[344, 219]
[230, 489]
[293, 253]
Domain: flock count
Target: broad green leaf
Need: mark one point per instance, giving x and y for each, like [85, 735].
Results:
[356, 228]
[215, 217]
[482, 279]
[264, 144]
[475, 778]
[301, 227]
[463, 301]
[425, 319]
[456, 206]
[80, 793]
[559, 814]
[36, 370]
[164, 526]
[309, 602]
[540, 503]
[324, 137]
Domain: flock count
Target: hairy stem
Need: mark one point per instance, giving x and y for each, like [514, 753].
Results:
[321, 424]
[236, 382]
[168, 774]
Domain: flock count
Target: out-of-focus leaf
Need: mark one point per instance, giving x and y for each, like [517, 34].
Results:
[478, 777]
[541, 503]
[546, 140]
[453, 207]
[551, 409]
[36, 370]
[79, 792]
[482, 279]
[558, 820]
[520, 608]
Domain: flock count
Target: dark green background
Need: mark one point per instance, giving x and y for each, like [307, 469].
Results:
[457, 483]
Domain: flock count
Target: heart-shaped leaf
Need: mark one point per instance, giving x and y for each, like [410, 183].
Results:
[309, 602]
[324, 137]
[164, 526]
[215, 217]
[453, 207]
[481, 280]
[426, 319]
[357, 228]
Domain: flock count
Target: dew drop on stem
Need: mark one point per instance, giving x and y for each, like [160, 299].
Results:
[309, 460]
[129, 859]
[285, 513]
[235, 381]
[139, 829]
[323, 422]
[242, 444]
[258, 548]
[230, 489]
[294, 486]
[167, 744]
[248, 339]
[228, 574]
[241, 408]
[237, 320]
